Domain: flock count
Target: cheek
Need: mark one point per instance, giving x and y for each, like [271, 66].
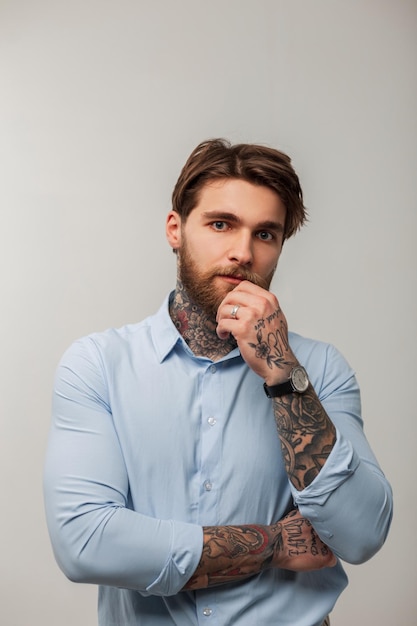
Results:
[201, 254]
[268, 261]
[206, 250]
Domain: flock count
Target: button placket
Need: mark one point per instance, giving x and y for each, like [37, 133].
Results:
[211, 443]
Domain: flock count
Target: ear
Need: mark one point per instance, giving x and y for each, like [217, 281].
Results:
[173, 230]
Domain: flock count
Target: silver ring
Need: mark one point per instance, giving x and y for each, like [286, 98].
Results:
[234, 311]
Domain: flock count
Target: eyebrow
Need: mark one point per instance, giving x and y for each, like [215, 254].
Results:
[231, 217]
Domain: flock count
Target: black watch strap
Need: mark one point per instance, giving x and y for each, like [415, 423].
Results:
[276, 391]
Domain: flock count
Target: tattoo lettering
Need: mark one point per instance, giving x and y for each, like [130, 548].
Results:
[261, 321]
[298, 542]
[273, 316]
[260, 324]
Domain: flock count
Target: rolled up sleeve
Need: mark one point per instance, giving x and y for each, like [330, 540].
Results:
[350, 501]
[96, 535]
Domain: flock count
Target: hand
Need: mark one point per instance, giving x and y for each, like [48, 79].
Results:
[302, 549]
[260, 329]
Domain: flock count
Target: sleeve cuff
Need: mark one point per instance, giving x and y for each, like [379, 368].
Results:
[185, 553]
[340, 465]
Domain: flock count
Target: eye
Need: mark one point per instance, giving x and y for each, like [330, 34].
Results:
[219, 225]
[264, 235]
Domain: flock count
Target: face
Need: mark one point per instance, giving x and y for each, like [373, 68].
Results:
[234, 233]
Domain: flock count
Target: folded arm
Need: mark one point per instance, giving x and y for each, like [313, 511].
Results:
[232, 553]
[98, 538]
[334, 477]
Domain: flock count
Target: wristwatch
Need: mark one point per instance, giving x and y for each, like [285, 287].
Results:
[298, 383]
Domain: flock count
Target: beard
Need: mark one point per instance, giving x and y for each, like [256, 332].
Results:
[200, 286]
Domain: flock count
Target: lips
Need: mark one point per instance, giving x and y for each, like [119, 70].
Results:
[231, 273]
[232, 279]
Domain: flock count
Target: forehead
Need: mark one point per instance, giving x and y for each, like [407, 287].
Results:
[241, 197]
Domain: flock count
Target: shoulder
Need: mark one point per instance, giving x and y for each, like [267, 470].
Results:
[108, 345]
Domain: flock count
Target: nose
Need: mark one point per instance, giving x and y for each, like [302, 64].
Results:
[241, 251]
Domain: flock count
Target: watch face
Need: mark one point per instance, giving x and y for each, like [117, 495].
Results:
[299, 379]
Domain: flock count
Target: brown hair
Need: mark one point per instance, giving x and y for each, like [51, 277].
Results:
[260, 165]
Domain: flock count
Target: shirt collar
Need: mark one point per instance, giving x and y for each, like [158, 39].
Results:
[165, 336]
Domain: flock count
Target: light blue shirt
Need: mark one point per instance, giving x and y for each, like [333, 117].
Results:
[150, 443]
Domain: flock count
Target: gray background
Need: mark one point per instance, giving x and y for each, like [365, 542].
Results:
[101, 102]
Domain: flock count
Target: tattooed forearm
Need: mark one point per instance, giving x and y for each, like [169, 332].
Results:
[233, 553]
[306, 433]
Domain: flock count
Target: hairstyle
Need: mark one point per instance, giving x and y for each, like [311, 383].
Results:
[260, 165]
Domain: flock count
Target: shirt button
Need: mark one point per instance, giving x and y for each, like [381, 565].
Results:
[207, 612]
[212, 421]
[208, 485]
[213, 369]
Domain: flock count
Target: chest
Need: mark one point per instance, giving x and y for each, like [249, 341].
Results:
[199, 442]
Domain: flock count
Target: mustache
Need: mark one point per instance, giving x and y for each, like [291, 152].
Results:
[241, 272]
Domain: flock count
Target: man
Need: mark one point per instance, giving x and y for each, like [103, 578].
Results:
[206, 466]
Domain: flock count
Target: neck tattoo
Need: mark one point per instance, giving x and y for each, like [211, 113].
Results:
[197, 327]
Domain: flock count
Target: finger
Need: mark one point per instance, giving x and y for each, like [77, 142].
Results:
[222, 334]
[227, 325]
[232, 320]
[258, 303]
[247, 285]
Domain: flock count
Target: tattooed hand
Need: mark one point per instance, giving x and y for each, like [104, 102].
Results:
[260, 329]
[306, 433]
[303, 550]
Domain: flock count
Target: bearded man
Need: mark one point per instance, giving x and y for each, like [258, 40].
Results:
[206, 465]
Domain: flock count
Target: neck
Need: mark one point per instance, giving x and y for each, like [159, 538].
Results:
[197, 327]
